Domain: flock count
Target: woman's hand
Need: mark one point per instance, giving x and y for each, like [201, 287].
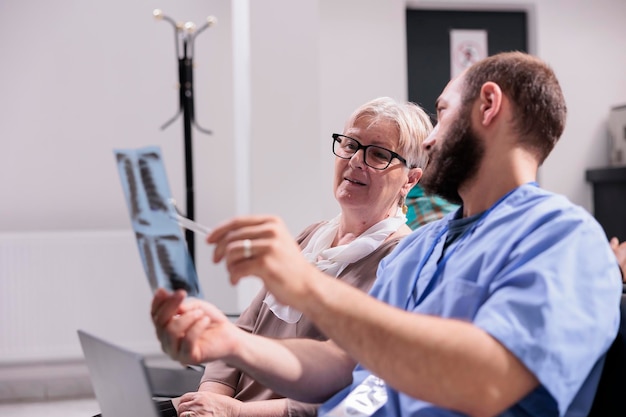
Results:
[204, 403]
[191, 331]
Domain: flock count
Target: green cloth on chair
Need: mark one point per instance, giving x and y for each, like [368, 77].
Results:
[425, 208]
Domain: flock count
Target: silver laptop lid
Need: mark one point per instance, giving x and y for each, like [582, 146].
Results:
[119, 379]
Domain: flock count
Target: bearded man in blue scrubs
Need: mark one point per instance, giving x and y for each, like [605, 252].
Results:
[504, 307]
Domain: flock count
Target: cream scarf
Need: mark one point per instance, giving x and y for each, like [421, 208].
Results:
[333, 261]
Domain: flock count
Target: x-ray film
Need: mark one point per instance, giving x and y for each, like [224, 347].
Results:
[160, 240]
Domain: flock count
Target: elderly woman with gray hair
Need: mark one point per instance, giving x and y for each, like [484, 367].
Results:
[378, 159]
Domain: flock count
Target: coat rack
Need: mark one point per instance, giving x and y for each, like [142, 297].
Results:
[184, 36]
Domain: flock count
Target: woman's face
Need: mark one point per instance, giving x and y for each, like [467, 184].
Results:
[374, 193]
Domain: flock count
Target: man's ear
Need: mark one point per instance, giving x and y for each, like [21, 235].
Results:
[490, 102]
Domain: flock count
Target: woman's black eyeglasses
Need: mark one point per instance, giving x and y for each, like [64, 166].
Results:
[374, 156]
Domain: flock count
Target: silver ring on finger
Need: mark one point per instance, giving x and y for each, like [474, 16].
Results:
[247, 251]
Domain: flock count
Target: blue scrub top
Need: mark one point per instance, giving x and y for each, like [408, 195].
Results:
[537, 274]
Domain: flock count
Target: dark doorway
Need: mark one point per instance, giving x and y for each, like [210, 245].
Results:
[428, 45]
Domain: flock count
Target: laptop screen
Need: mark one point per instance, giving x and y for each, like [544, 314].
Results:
[119, 378]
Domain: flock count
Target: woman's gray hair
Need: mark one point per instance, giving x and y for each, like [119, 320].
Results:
[411, 120]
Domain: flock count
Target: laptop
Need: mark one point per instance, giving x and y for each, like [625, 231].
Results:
[119, 378]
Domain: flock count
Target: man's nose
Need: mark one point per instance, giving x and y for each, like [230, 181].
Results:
[430, 141]
[428, 144]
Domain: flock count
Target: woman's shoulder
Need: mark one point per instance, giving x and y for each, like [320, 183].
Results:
[390, 243]
[306, 234]
[403, 231]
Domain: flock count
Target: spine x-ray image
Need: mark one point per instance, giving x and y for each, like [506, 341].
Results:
[162, 248]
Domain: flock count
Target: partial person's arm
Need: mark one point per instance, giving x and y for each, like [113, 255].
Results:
[620, 253]
[196, 332]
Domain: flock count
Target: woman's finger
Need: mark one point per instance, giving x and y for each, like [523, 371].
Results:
[165, 305]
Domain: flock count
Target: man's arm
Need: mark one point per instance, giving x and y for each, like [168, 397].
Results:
[426, 357]
[302, 369]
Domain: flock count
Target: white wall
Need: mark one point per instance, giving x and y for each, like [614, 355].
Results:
[80, 78]
[362, 56]
[586, 49]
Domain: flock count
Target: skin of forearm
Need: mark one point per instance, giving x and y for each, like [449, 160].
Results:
[426, 357]
[267, 408]
[291, 367]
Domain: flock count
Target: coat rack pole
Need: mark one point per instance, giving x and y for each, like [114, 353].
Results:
[185, 35]
[186, 83]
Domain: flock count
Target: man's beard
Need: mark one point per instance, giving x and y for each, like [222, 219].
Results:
[454, 161]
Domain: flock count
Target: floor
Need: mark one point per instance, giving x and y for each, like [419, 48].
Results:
[43, 390]
[85, 407]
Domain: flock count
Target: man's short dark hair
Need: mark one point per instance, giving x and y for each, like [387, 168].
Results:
[531, 85]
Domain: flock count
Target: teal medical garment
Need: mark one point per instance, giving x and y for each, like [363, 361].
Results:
[535, 272]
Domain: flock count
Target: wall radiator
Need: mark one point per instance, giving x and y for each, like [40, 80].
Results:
[53, 283]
